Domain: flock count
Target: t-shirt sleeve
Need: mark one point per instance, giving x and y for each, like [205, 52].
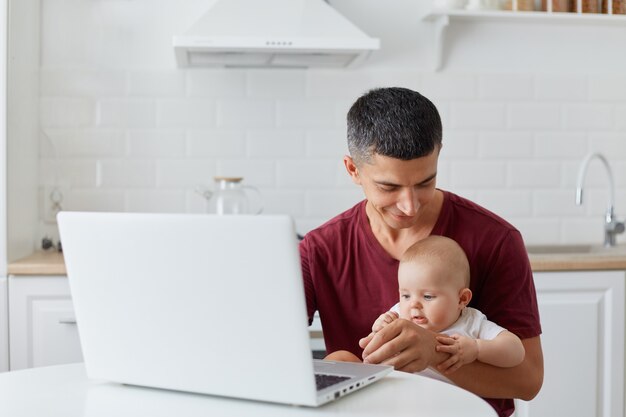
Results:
[509, 297]
[488, 330]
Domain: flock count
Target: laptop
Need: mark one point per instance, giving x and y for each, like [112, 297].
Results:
[198, 303]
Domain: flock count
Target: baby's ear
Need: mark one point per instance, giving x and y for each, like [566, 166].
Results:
[465, 295]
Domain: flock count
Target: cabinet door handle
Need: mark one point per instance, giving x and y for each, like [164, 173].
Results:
[67, 321]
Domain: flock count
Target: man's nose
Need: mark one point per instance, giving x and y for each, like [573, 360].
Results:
[408, 202]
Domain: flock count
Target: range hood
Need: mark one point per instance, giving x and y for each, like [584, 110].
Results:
[272, 33]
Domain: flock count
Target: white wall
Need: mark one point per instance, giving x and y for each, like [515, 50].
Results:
[4, 310]
[124, 129]
[22, 127]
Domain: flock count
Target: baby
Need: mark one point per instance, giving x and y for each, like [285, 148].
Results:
[433, 279]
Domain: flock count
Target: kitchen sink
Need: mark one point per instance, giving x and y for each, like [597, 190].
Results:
[575, 250]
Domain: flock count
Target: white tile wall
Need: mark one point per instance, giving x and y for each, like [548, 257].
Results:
[126, 113]
[608, 87]
[534, 116]
[124, 129]
[560, 87]
[67, 112]
[223, 143]
[312, 113]
[505, 144]
[216, 83]
[83, 82]
[156, 83]
[161, 143]
[588, 116]
[279, 145]
[186, 113]
[477, 115]
[507, 87]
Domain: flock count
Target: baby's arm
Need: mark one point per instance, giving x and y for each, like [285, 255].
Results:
[505, 350]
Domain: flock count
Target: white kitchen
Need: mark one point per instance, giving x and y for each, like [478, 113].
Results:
[101, 115]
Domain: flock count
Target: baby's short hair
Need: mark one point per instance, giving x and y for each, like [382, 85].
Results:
[440, 249]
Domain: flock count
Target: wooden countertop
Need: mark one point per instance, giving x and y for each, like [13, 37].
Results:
[39, 263]
[51, 262]
[582, 258]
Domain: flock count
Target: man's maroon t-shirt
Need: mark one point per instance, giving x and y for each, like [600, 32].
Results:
[350, 279]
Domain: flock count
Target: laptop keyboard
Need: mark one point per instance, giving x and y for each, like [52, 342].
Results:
[322, 380]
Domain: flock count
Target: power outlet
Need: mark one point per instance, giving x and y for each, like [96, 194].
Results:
[53, 199]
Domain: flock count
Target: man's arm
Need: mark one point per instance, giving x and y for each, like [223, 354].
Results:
[410, 348]
[523, 381]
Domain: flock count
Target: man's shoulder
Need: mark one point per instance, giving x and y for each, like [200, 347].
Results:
[336, 237]
[460, 207]
[349, 219]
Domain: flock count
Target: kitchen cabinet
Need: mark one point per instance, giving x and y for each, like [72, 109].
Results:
[4, 326]
[4, 335]
[42, 326]
[582, 316]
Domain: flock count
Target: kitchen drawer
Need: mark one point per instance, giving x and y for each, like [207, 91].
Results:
[42, 328]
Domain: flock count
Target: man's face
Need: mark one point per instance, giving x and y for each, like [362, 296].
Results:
[398, 190]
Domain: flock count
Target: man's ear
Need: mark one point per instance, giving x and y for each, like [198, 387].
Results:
[352, 169]
[465, 295]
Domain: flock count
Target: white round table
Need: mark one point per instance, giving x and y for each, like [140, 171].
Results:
[65, 391]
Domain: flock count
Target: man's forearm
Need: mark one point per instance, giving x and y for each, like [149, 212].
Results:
[522, 381]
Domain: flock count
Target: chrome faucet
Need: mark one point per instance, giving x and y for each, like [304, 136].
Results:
[612, 227]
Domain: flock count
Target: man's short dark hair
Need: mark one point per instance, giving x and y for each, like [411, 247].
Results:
[394, 122]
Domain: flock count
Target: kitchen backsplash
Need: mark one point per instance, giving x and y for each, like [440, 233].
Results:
[142, 138]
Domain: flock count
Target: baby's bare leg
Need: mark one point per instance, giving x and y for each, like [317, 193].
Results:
[342, 356]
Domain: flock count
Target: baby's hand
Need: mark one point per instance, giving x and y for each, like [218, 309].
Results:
[463, 350]
[383, 320]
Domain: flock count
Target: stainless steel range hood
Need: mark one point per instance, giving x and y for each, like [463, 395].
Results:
[272, 33]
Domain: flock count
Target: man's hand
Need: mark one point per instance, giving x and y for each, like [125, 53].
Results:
[402, 344]
[383, 320]
[463, 349]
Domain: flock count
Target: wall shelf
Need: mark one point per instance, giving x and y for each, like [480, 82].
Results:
[443, 18]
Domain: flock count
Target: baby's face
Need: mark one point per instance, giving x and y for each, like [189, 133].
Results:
[426, 299]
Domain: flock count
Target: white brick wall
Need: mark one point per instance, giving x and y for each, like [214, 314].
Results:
[477, 115]
[187, 113]
[561, 87]
[126, 113]
[534, 116]
[123, 129]
[161, 143]
[156, 83]
[223, 143]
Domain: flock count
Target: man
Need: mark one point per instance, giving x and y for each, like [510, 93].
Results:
[350, 263]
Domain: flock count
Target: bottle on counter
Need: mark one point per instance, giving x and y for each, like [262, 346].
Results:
[559, 6]
[449, 4]
[619, 6]
[589, 6]
[483, 5]
[522, 5]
